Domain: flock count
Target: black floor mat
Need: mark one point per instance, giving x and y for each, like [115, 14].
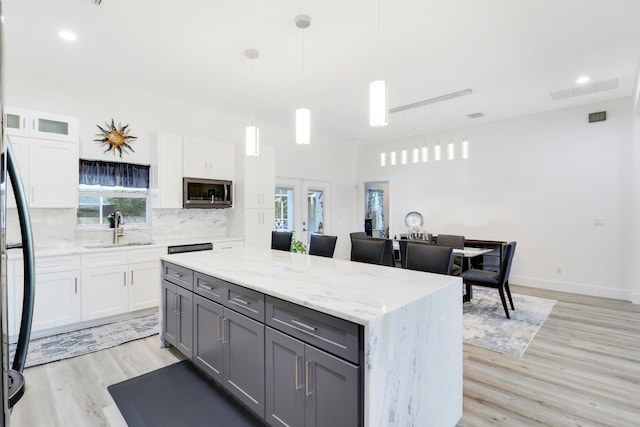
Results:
[178, 395]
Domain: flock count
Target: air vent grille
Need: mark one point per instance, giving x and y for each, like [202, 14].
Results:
[584, 89]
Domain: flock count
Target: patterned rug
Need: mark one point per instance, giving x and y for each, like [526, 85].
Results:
[76, 343]
[485, 325]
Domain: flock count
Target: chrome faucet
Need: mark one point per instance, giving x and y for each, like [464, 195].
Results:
[118, 220]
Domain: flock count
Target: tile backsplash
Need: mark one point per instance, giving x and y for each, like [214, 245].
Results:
[57, 227]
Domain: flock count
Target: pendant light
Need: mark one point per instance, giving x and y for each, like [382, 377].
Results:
[303, 115]
[252, 133]
[465, 148]
[378, 110]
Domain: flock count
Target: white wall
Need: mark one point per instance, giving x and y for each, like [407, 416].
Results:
[541, 180]
[146, 114]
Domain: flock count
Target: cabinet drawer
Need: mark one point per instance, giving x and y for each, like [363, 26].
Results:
[337, 336]
[104, 259]
[245, 301]
[52, 264]
[209, 287]
[179, 275]
[147, 254]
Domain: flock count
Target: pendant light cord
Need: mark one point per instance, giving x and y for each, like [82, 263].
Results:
[378, 36]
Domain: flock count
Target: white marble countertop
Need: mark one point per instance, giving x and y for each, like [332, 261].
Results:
[349, 290]
[79, 249]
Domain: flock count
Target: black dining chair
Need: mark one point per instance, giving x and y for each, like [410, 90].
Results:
[455, 242]
[430, 258]
[369, 250]
[281, 240]
[492, 279]
[358, 235]
[322, 245]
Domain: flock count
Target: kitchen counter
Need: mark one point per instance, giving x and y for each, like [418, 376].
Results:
[79, 249]
[412, 324]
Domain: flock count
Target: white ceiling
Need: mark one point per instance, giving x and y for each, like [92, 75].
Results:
[512, 54]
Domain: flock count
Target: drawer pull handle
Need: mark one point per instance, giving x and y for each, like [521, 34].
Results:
[175, 273]
[298, 387]
[240, 300]
[209, 288]
[303, 325]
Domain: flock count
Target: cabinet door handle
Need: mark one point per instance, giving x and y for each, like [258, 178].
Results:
[219, 333]
[240, 300]
[33, 124]
[307, 391]
[131, 277]
[124, 276]
[224, 330]
[296, 367]
[24, 123]
[76, 284]
[304, 325]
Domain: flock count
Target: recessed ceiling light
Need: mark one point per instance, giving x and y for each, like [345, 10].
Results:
[583, 79]
[67, 35]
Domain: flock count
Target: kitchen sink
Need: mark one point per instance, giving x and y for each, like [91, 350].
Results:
[113, 245]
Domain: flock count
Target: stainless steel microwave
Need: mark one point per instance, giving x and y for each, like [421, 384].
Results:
[206, 193]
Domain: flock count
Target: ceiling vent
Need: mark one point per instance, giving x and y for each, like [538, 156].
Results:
[584, 89]
[475, 115]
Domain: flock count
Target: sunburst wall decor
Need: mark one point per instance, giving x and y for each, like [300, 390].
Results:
[117, 138]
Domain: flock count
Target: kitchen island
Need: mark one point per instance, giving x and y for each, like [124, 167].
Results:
[406, 327]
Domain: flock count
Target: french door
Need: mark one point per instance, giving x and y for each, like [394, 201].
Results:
[302, 206]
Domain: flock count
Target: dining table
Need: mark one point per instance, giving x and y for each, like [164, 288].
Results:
[468, 252]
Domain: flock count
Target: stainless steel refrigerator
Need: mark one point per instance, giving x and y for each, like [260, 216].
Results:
[13, 386]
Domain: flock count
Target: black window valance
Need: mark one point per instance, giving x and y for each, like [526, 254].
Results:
[113, 174]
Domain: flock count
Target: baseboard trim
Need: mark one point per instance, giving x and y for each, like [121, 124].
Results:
[577, 288]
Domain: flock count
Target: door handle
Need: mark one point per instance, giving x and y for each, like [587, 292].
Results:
[307, 391]
[219, 333]
[124, 276]
[224, 330]
[297, 358]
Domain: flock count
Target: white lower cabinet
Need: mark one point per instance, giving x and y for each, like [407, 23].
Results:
[57, 294]
[104, 292]
[130, 283]
[143, 285]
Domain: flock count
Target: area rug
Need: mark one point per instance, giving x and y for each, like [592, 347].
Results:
[485, 325]
[178, 395]
[76, 343]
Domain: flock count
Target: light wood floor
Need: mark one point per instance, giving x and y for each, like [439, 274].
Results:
[582, 369]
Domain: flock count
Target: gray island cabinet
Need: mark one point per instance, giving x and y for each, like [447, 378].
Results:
[309, 341]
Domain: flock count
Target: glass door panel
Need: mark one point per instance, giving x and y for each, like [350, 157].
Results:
[285, 208]
[315, 212]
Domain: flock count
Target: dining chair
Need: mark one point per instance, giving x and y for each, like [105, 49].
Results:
[455, 242]
[430, 258]
[492, 279]
[322, 245]
[369, 250]
[281, 240]
[358, 235]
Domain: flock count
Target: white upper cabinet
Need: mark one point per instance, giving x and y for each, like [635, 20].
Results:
[45, 147]
[206, 159]
[166, 173]
[37, 124]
